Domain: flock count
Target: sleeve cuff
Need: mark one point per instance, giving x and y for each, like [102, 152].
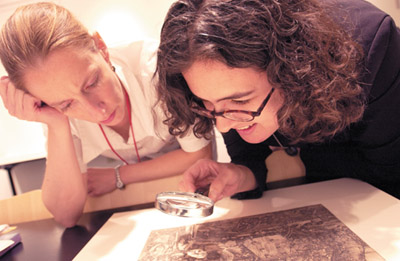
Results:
[251, 194]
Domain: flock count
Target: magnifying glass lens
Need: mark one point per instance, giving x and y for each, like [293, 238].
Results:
[184, 204]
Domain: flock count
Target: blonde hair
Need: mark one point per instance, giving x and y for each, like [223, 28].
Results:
[33, 32]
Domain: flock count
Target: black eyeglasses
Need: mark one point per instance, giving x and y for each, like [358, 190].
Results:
[235, 115]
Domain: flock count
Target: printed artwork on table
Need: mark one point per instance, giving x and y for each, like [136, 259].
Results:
[306, 233]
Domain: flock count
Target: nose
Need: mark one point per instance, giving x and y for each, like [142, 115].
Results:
[96, 109]
[223, 125]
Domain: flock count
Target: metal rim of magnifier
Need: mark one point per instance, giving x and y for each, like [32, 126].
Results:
[184, 204]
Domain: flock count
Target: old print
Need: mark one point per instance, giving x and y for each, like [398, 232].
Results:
[306, 233]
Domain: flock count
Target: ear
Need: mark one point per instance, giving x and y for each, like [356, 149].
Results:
[101, 46]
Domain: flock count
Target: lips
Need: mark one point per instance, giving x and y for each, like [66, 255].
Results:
[245, 130]
[109, 119]
[245, 127]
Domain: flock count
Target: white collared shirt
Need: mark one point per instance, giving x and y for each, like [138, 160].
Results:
[135, 64]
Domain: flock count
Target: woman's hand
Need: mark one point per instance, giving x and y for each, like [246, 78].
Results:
[100, 181]
[24, 106]
[226, 179]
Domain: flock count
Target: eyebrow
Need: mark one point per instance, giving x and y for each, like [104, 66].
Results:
[235, 96]
[81, 87]
[230, 97]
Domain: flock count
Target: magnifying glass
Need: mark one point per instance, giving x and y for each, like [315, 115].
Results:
[184, 204]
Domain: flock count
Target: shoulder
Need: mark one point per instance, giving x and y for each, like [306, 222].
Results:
[136, 63]
[379, 37]
[360, 18]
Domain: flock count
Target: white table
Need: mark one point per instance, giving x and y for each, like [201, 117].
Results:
[370, 213]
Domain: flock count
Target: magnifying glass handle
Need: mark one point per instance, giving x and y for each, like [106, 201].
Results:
[203, 190]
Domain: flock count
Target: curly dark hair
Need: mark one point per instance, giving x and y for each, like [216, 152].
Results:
[304, 52]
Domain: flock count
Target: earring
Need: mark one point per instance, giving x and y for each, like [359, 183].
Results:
[113, 68]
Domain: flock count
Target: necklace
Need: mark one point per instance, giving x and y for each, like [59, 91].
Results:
[131, 128]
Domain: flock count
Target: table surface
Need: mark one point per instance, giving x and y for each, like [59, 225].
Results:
[46, 240]
[370, 213]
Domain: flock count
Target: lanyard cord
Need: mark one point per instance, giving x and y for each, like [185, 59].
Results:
[291, 151]
[280, 144]
[131, 127]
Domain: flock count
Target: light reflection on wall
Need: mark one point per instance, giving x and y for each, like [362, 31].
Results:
[118, 27]
[121, 21]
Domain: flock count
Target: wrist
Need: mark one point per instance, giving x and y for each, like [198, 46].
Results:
[51, 116]
[249, 188]
[58, 124]
[247, 180]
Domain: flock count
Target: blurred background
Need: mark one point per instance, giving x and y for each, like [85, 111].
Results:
[22, 144]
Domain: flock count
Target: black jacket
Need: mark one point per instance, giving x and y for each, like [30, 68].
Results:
[370, 149]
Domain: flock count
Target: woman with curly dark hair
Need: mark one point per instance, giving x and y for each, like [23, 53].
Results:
[319, 77]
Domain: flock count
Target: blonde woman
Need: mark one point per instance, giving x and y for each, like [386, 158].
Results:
[94, 101]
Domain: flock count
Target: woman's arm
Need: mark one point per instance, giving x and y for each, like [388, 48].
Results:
[170, 164]
[102, 180]
[64, 187]
[253, 157]
[64, 190]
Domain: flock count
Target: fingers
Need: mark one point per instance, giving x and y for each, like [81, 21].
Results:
[90, 182]
[19, 97]
[3, 85]
[100, 181]
[222, 186]
[91, 189]
[205, 172]
[18, 103]
[201, 174]
[188, 181]
[226, 182]
[8, 93]
[216, 190]
[4, 81]
[11, 98]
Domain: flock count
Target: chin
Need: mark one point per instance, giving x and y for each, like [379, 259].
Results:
[254, 139]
